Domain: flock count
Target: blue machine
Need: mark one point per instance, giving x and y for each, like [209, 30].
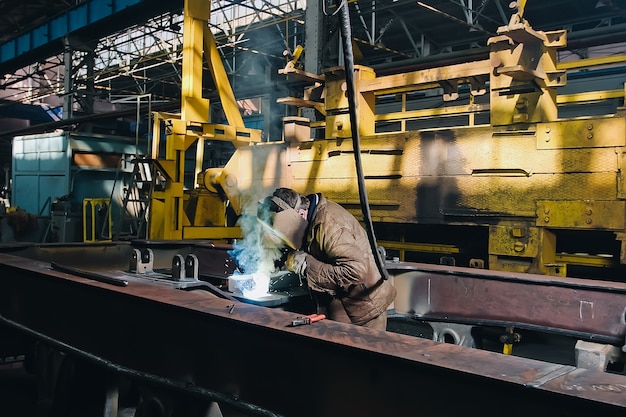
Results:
[55, 174]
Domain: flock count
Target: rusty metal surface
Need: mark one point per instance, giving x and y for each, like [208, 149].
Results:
[248, 352]
[93, 255]
[215, 260]
[591, 309]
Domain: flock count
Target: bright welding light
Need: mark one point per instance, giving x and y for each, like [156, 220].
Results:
[261, 286]
[256, 256]
[253, 286]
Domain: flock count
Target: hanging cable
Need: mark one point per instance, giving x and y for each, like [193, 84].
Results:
[346, 39]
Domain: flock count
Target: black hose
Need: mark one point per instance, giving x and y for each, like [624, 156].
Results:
[346, 39]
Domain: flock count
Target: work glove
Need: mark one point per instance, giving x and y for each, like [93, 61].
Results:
[296, 262]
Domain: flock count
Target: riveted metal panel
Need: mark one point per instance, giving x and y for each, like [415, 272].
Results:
[581, 214]
[581, 133]
[515, 195]
[470, 174]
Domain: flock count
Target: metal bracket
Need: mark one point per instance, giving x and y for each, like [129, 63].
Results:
[185, 269]
[142, 261]
[461, 334]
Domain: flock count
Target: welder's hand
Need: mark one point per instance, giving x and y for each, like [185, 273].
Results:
[296, 262]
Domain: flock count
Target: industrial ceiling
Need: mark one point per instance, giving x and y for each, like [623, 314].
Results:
[119, 61]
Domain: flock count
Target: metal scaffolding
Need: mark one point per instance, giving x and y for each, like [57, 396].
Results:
[254, 38]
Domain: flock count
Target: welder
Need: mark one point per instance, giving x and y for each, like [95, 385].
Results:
[329, 249]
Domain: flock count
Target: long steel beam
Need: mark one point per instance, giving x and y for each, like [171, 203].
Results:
[248, 354]
[589, 309]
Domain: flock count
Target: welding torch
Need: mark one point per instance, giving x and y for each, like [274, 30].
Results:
[304, 320]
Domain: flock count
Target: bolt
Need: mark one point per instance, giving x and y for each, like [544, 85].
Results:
[519, 246]
[546, 210]
[588, 221]
[590, 136]
[546, 219]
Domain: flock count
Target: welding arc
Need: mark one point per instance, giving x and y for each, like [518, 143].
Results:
[346, 39]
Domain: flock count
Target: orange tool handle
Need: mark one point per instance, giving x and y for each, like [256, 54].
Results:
[316, 317]
[303, 320]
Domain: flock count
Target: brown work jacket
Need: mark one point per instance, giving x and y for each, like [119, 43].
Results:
[340, 263]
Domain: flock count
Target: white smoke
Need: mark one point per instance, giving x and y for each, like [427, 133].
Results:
[256, 255]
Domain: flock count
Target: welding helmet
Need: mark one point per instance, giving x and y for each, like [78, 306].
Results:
[286, 225]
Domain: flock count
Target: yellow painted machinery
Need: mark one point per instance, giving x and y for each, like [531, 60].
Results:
[493, 178]
[174, 213]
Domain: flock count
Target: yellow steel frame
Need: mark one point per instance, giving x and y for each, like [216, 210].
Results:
[525, 133]
[562, 165]
[168, 219]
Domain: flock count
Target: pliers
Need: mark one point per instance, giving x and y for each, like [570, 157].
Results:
[302, 320]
